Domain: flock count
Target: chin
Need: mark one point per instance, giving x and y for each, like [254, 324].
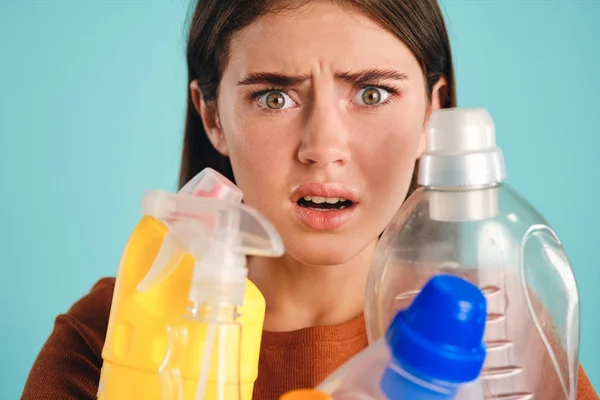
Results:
[325, 251]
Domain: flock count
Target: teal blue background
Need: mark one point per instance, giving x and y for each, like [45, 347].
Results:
[92, 97]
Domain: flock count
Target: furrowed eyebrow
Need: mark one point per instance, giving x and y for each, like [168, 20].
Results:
[255, 78]
[371, 75]
[282, 80]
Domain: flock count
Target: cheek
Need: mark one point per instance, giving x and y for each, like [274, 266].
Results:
[388, 152]
[259, 150]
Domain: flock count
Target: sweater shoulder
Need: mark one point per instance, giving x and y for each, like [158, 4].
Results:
[90, 314]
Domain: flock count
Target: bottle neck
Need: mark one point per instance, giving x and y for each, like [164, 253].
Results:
[219, 278]
[462, 170]
[464, 205]
[396, 380]
[220, 313]
[450, 188]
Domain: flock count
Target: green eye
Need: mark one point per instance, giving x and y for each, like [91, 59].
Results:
[275, 100]
[371, 96]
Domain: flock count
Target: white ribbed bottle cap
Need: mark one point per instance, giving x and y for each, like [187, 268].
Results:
[461, 150]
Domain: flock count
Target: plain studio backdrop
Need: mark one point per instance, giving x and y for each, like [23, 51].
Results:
[92, 97]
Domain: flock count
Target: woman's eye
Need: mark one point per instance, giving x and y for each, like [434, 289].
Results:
[276, 100]
[371, 96]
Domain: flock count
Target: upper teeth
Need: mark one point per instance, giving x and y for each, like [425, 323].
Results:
[319, 200]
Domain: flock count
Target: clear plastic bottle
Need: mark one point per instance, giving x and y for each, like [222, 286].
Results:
[185, 323]
[466, 221]
[205, 341]
[417, 360]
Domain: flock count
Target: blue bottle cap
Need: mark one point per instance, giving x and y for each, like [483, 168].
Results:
[439, 337]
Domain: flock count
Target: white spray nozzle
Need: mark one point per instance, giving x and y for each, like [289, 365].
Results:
[256, 234]
[218, 233]
[207, 183]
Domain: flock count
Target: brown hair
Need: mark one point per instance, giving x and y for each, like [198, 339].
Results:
[417, 23]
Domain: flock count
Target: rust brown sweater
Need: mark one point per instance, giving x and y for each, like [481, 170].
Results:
[68, 366]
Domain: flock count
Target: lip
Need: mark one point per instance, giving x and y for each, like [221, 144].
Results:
[324, 190]
[324, 220]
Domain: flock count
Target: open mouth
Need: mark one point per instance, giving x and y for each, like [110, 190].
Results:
[324, 203]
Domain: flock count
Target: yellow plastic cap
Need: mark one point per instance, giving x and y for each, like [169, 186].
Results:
[305, 394]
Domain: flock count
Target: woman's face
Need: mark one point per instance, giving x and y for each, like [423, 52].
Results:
[322, 114]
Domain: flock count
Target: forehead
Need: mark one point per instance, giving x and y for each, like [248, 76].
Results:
[321, 34]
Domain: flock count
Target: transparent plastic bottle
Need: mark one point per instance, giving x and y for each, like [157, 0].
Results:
[466, 221]
[185, 323]
[416, 360]
[206, 346]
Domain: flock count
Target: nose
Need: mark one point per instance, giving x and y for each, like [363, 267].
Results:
[325, 138]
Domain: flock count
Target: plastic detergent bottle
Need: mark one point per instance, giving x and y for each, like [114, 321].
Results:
[465, 220]
[185, 322]
[432, 350]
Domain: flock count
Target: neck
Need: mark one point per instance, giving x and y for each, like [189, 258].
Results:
[300, 296]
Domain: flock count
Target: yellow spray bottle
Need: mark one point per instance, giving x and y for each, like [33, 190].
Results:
[185, 322]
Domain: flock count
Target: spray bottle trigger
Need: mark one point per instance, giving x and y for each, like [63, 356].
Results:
[169, 256]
